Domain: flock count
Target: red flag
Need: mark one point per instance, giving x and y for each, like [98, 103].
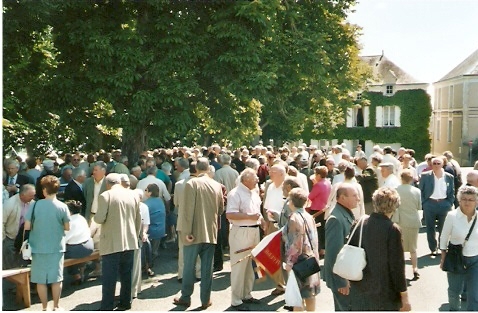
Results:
[267, 253]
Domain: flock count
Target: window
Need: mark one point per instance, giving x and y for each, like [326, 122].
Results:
[389, 90]
[357, 117]
[359, 96]
[388, 116]
[438, 131]
[450, 98]
[450, 130]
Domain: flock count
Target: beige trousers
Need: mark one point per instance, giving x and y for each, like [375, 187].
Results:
[242, 274]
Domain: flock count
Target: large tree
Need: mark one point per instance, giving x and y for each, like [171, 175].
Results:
[160, 71]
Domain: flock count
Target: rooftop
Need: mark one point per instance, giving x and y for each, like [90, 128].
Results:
[382, 68]
[468, 67]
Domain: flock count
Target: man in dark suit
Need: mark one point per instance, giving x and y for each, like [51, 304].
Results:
[14, 181]
[369, 182]
[74, 189]
[337, 228]
[438, 195]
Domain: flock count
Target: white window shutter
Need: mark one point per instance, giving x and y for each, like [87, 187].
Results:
[397, 116]
[379, 117]
[366, 116]
[349, 117]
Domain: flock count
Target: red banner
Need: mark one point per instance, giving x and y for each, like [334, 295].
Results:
[267, 253]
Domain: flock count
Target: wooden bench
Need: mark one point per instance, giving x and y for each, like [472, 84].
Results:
[21, 277]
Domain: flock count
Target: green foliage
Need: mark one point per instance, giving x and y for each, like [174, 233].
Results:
[91, 73]
[415, 115]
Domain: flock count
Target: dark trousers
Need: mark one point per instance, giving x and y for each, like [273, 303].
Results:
[433, 212]
[78, 251]
[341, 302]
[218, 255]
[113, 264]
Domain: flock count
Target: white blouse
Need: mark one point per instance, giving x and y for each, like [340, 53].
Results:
[79, 230]
[455, 229]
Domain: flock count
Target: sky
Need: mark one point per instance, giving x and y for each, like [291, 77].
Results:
[426, 38]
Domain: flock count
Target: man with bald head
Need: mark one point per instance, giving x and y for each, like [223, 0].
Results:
[337, 228]
[472, 178]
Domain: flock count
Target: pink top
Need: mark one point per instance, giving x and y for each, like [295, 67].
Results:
[319, 195]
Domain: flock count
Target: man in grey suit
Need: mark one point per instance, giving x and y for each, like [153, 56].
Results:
[203, 199]
[92, 188]
[337, 228]
[438, 196]
[118, 212]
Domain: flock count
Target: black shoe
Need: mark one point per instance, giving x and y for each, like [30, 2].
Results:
[416, 275]
[289, 308]
[217, 268]
[121, 307]
[240, 307]
[180, 280]
[198, 279]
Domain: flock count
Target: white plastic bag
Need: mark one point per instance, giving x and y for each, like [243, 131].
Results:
[292, 292]
[26, 251]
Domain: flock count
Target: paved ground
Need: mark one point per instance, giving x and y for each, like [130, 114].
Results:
[429, 293]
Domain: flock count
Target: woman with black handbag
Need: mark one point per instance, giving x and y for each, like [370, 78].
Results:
[459, 250]
[301, 247]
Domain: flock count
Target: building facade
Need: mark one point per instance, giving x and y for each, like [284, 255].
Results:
[455, 110]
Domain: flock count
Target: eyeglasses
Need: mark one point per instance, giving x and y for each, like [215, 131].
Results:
[76, 159]
[467, 200]
[436, 163]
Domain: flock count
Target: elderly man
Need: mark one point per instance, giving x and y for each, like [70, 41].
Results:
[244, 213]
[369, 182]
[337, 228]
[274, 199]
[387, 171]
[74, 189]
[14, 210]
[472, 178]
[204, 198]
[182, 167]
[119, 214]
[152, 179]
[92, 188]
[438, 196]
[14, 181]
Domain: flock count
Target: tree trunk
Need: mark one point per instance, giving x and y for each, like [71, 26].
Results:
[133, 144]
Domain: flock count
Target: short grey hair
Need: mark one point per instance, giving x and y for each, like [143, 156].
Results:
[14, 162]
[252, 163]
[77, 172]
[225, 158]
[124, 178]
[135, 168]
[101, 165]
[467, 190]
[202, 165]
[123, 159]
[113, 179]
[151, 170]
[247, 173]
[27, 187]
[184, 163]
[167, 167]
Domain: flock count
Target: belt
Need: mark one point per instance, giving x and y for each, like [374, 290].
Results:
[251, 226]
[77, 244]
[437, 200]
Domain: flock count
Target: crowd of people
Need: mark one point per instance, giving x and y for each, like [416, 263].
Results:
[209, 200]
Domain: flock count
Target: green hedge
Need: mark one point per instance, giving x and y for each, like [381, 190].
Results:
[415, 107]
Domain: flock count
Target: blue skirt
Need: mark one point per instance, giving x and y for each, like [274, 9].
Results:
[47, 268]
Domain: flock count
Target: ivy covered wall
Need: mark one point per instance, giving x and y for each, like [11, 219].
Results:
[415, 107]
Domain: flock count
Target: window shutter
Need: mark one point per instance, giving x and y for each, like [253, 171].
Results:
[366, 117]
[397, 116]
[349, 117]
[379, 117]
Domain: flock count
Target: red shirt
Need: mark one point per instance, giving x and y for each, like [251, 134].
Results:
[320, 194]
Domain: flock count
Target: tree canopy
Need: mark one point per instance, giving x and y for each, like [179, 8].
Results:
[139, 74]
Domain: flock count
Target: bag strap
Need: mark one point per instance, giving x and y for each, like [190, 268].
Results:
[471, 229]
[360, 222]
[306, 230]
[31, 224]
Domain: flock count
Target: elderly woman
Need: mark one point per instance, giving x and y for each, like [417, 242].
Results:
[157, 217]
[383, 287]
[79, 243]
[47, 225]
[455, 229]
[296, 234]
[318, 197]
[407, 216]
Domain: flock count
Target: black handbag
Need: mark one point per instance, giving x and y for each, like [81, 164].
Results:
[306, 265]
[454, 260]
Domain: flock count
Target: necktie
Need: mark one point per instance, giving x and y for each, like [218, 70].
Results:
[11, 181]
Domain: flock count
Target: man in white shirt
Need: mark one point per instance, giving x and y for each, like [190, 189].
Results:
[274, 198]
[244, 213]
[389, 158]
[151, 179]
[437, 187]
[387, 171]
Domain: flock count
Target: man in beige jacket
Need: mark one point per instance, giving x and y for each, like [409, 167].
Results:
[204, 202]
[118, 212]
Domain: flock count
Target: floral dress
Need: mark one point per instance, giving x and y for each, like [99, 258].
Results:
[296, 242]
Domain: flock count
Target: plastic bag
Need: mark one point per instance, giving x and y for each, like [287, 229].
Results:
[26, 251]
[292, 292]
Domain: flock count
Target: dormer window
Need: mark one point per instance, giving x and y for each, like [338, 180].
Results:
[389, 90]
[359, 96]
